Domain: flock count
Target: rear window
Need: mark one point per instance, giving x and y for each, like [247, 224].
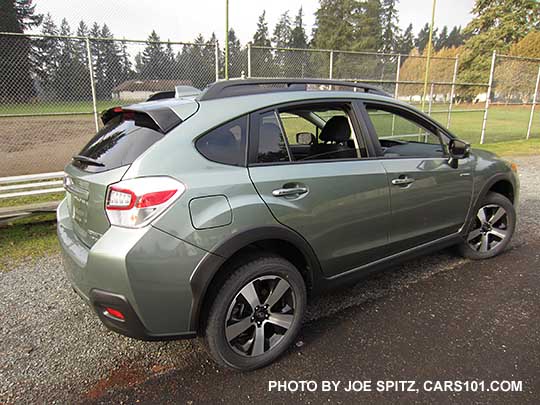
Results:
[225, 144]
[124, 138]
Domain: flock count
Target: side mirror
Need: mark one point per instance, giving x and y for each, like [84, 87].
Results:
[458, 149]
[305, 138]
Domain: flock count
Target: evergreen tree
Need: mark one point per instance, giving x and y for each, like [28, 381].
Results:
[335, 25]
[153, 58]
[298, 33]
[390, 28]
[299, 40]
[261, 37]
[71, 76]
[111, 68]
[442, 39]
[283, 60]
[406, 41]
[455, 37]
[235, 55]
[15, 52]
[80, 45]
[261, 59]
[283, 31]
[422, 39]
[46, 55]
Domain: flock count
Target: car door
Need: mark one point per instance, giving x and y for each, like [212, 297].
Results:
[337, 201]
[429, 198]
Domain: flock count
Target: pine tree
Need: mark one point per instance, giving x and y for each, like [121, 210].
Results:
[390, 28]
[456, 37]
[282, 38]
[335, 24]
[71, 77]
[15, 52]
[298, 35]
[111, 68]
[46, 55]
[261, 37]
[442, 39]
[422, 39]
[153, 58]
[406, 41]
[283, 31]
[261, 59]
[235, 55]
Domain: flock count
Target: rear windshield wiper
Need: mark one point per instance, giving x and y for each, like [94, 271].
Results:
[87, 160]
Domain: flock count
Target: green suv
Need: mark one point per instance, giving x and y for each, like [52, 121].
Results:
[218, 214]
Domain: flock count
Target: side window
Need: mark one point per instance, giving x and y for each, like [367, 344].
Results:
[321, 133]
[272, 146]
[297, 128]
[401, 135]
[225, 144]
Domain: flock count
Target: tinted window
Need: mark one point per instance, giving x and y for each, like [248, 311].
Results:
[119, 142]
[272, 147]
[225, 144]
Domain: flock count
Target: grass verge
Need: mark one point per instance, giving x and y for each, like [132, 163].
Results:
[27, 239]
[513, 148]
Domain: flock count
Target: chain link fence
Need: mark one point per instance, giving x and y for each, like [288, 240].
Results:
[448, 100]
[52, 88]
[514, 93]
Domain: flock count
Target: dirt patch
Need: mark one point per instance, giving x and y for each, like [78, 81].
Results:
[41, 144]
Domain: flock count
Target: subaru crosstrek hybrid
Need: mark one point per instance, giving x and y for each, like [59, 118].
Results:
[217, 214]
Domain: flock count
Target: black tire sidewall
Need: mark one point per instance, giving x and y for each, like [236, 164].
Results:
[216, 340]
[497, 199]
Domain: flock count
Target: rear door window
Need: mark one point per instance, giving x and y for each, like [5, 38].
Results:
[122, 140]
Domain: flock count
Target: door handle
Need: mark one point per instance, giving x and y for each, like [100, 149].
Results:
[402, 181]
[284, 192]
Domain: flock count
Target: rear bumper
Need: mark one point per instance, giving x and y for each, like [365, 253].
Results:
[131, 325]
[144, 272]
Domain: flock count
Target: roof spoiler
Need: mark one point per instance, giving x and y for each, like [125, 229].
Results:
[163, 118]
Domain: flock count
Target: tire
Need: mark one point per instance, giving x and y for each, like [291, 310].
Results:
[489, 233]
[278, 285]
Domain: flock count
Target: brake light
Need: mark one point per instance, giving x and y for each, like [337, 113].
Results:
[135, 203]
[120, 199]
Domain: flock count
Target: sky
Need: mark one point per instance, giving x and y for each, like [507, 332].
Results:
[183, 20]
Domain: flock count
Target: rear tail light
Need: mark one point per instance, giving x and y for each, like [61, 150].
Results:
[137, 202]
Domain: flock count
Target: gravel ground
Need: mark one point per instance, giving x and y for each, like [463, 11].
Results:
[53, 349]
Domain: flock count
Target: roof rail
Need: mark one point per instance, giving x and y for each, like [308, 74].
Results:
[242, 87]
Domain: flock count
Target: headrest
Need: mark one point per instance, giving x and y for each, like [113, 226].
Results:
[336, 129]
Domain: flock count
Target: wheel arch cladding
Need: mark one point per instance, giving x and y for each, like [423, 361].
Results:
[503, 187]
[214, 269]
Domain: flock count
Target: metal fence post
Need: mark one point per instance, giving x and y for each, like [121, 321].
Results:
[533, 103]
[331, 73]
[430, 98]
[216, 56]
[92, 82]
[397, 76]
[249, 59]
[488, 96]
[452, 92]
[396, 89]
